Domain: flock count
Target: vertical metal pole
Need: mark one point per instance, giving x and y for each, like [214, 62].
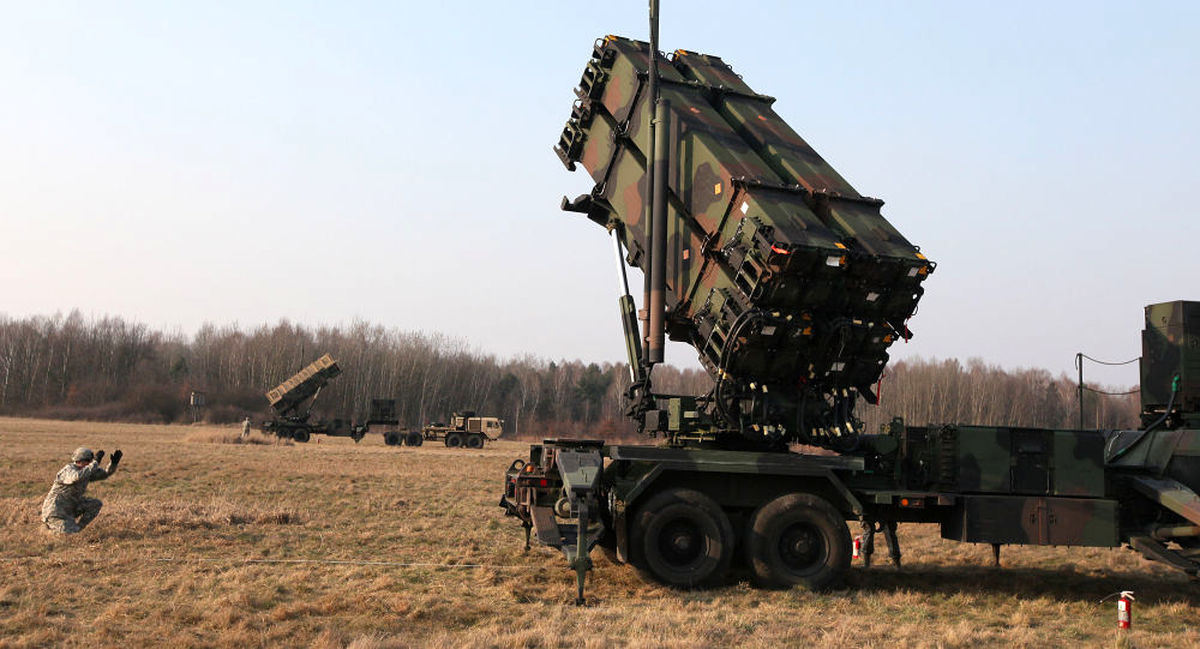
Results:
[649, 108]
[658, 262]
[657, 166]
[1079, 364]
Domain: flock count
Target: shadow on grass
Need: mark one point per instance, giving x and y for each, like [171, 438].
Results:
[1062, 583]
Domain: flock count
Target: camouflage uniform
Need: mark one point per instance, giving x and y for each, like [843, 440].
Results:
[65, 508]
[246, 428]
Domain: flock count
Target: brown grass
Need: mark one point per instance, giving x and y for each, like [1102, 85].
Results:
[213, 435]
[336, 545]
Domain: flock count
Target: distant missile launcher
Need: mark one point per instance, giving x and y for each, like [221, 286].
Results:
[289, 395]
[789, 283]
[289, 399]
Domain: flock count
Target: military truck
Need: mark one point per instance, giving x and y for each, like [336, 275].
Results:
[791, 285]
[293, 402]
[465, 430]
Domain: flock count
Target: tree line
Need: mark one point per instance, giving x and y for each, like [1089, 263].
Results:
[72, 367]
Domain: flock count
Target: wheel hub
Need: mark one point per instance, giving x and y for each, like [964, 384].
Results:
[801, 546]
[680, 543]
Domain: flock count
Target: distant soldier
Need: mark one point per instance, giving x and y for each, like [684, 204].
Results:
[246, 428]
[65, 508]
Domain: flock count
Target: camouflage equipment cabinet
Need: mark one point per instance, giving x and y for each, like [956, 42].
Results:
[791, 286]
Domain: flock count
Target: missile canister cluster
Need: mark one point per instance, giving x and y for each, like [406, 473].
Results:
[288, 396]
[789, 282]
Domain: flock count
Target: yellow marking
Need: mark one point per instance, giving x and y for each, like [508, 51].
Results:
[839, 245]
[920, 256]
[717, 189]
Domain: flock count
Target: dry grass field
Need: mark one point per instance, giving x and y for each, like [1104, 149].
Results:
[332, 544]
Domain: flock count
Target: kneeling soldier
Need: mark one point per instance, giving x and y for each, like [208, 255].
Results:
[65, 508]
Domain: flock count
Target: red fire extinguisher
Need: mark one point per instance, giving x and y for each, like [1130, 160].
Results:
[857, 548]
[1125, 610]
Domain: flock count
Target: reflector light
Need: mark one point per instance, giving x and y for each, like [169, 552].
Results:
[775, 248]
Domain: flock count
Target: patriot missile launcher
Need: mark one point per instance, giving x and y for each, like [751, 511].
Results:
[293, 402]
[789, 282]
[791, 286]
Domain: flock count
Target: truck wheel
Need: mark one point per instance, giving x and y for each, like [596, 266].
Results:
[300, 436]
[414, 439]
[391, 439]
[475, 441]
[798, 540]
[682, 538]
[454, 440]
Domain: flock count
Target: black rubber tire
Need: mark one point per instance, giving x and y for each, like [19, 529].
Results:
[682, 538]
[301, 436]
[454, 440]
[474, 441]
[797, 539]
[391, 439]
[414, 439]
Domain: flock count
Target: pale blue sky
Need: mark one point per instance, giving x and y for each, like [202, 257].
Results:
[246, 162]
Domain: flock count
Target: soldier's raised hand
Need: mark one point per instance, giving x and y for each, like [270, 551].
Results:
[100, 456]
[116, 459]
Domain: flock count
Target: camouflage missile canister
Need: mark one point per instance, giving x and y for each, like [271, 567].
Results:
[790, 283]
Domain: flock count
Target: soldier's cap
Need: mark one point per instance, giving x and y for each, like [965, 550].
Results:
[83, 454]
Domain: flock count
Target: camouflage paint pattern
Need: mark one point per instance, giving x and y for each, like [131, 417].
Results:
[65, 508]
[792, 286]
[789, 282]
[1000, 459]
[1170, 349]
[1033, 521]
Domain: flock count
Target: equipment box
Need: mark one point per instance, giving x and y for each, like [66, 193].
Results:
[1003, 460]
[1033, 520]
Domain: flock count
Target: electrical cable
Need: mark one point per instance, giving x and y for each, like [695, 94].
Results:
[1079, 356]
[1109, 455]
[1113, 394]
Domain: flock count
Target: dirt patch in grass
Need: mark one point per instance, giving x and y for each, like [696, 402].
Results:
[217, 436]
